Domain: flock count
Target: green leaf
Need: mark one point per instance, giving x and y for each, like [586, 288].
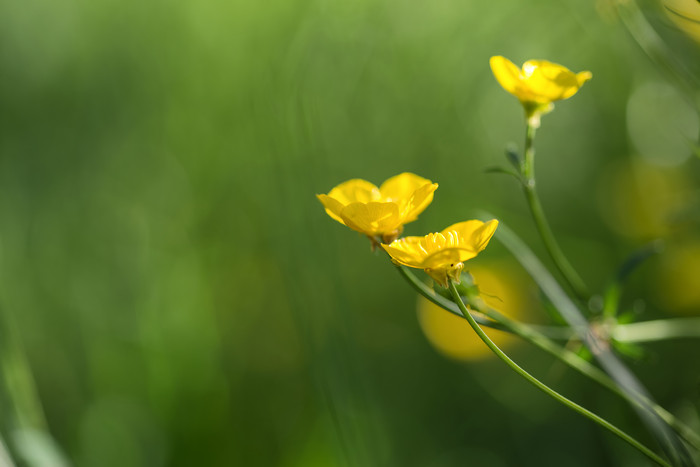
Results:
[502, 170]
[632, 262]
[627, 317]
[584, 353]
[634, 351]
[514, 157]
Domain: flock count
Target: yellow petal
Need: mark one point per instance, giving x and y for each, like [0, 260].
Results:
[447, 258]
[436, 241]
[443, 250]
[507, 73]
[401, 187]
[420, 200]
[473, 235]
[355, 191]
[583, 76]
[406, 251]
[333, 207]
[551, 82]
[372, 218]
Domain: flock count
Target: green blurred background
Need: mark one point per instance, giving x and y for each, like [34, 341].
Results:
[172, 293]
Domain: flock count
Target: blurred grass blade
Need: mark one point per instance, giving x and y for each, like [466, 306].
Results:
[623, 377]
[676, 68]
[546, 389]
[5, 458]
[649, 331]
[38, 449]
[29, 437]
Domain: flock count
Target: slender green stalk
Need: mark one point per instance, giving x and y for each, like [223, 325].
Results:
[597, 344]
[546, 389]
[541, 337]
[587, 369]
[611, 301]
[656, 330]
[528, 171]
[646, 331]
[548, 332]
[441, 301]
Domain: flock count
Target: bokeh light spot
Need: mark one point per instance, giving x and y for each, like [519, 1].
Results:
[661, 124]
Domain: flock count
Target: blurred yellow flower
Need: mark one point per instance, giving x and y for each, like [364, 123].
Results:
[382, 211]
[643, 201]
[686, 15]
[504, 287]
[676, 282]
[538, 84]
[442, 254]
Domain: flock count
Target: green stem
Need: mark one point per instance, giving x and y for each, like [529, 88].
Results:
[587, 369]
[528, 171]
[599, 347]
[611, 301]
[551, 332]
[649, 331]
[541, 337]
[546, 389]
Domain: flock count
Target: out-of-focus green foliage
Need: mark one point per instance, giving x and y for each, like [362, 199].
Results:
[177, 293]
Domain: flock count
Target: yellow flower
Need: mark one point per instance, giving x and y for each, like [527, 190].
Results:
[382, 211]
[538, 84]
[442, 254]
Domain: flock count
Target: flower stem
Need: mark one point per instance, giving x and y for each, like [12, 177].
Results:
[656, 330]
[546, 389]
[441, 301]
[541, 337]
[587, 369]
[528, 172]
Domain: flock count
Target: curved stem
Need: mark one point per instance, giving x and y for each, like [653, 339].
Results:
[591, 371]
[546, 389]
[541, 337]
[528, 171]
[547, 332]
[599, 347]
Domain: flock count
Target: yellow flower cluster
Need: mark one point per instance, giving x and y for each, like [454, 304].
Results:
[383, 211]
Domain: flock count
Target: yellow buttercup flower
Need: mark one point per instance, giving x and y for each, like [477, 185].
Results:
[381, 211]
[442, 254]
[538, 84]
